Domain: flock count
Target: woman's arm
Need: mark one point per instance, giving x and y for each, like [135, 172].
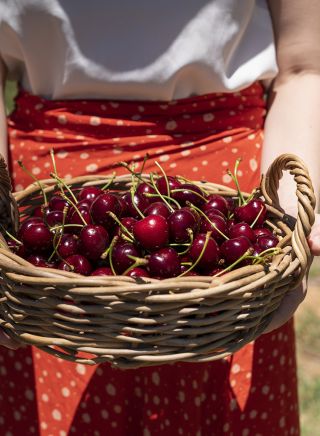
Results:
[3, 121]
[293, 119]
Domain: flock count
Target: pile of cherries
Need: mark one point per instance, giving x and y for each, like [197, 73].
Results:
[161, 227]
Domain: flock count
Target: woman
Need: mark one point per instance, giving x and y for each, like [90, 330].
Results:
[181, 80]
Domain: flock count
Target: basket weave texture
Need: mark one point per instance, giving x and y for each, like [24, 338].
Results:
[133, 323]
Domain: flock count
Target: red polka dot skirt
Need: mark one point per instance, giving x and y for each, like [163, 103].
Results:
[254, 392]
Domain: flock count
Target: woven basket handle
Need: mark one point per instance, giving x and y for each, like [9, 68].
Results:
[306, 203]
[9, 216]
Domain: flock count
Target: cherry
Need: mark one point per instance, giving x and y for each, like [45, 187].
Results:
[36, 235]
[242, 229]
[103, 204]
[250, 211]
[140, 201]
[68, 245]
[138, 272]
[162, 186]
[54, 217]
[218, 227]
[76, 263]
[89, 193]
[152, 232]
[145, 188]
[93, 241]
[120, 253]
[16, 248]
[189, 193]
[211, 254]
[157, 208]
[38, 212]
[180, 221]
[208, 210]
[262, 231]
[218, 202]
[233, 249]
[38, 260]
[268, 241]
[102, 271]
[56, 202]
[164, 263]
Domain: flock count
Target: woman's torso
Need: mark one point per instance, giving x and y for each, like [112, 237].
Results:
[136, 50]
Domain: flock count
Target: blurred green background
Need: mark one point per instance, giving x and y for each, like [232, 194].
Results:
[308, 337]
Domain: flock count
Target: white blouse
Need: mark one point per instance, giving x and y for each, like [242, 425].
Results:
[142, 49]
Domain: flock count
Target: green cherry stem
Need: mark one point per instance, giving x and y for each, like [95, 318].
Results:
[62, 184]
[190, 232]
[246, 255]
[137, 262]
[109, 254]
[59, 234]
[235, 179]
[106, 186]
[21, 165]
[208, 234]
[163, 197]
[165, 177]
[10, 235]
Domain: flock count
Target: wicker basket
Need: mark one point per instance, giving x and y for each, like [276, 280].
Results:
[150, 322]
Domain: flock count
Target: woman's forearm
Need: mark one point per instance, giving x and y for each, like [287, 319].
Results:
[293, 126]
[3, 120]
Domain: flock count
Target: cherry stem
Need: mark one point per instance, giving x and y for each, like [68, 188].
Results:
[165, 177]
[62, 184]
[265, 254]
[113, 243]
[193, 192]
[208, 234]
[21, 165]
[75, 208]
[110, 248]
[257, 217]
[132, 192]
[184, 179]
[137, 175]
[60, 234]
[190, 232]
[208, 219]
[106, 186]
[146, 157]
[138, 262]
[11, 236]
[235, 179]
[123, 228]
[246, 255]
[163, 197]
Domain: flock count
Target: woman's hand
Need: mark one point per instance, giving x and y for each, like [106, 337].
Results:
[294, 298]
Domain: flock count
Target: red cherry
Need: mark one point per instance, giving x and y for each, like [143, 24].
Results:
[162, 184]
[157, 208]
[190, 194]
[138, 272]
[76, 263]
[89, 193]
[93, 241]
[145, 188]
[36, 236]
[218, 227]
[101, 207]
[120, 256]
[102, 271]
[216, 201]
[140, 201]
[56, 202]
[211, 254]
[180, 222]
[54, 217]
[152, 232]
[164, 263]
[128, 223]
[250, 211]
[233, 249]
[68, 245]
[266, 242]
[242, 229]
[262, 231]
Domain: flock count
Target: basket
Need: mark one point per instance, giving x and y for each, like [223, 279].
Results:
[133, 323]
